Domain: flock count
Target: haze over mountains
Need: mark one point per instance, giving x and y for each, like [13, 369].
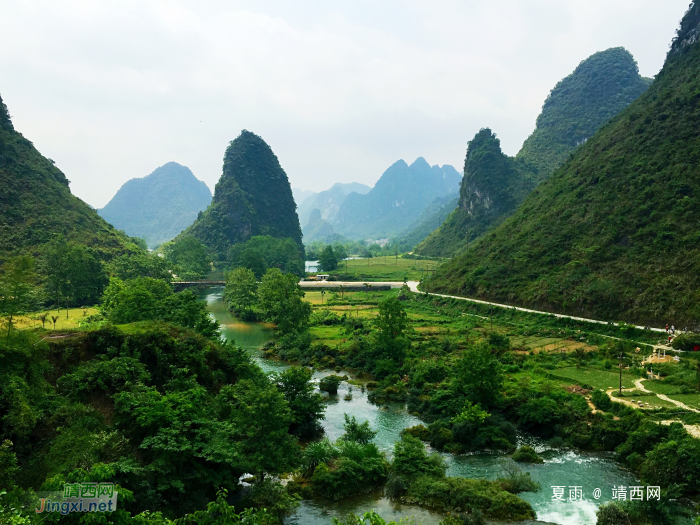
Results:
[158, 207]
[495, 184]
[253, 197]
[615, 231]
[36, 203]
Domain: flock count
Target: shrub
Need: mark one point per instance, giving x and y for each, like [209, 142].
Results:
[612, 513]
[329, 384]
[601, 401]
[688, 342]
[462, 494]
[526, 454]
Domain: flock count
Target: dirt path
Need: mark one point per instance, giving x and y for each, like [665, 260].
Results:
[638, 384]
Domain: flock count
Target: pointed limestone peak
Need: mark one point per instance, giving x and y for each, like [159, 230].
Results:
[5, 121]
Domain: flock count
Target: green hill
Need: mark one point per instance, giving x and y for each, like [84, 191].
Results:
[493, 186]
[36, 202]
[598, 89]
[615, 232]
[317, 228]
[158, 207]
[253, 197]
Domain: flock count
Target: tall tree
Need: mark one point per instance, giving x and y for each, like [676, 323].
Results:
[327, 260]
[479, 376]
[17, 288]
[240, 291]
[306, 404]
[281, 301]
[391, 324]
[189, 257]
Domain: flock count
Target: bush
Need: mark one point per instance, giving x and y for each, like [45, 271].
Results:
[688, 342]
[346, 476]
[601, 401]
[460, 494]
[526, 454]
[330, 384]
[412, 460]
[516, 481]
[612, 513]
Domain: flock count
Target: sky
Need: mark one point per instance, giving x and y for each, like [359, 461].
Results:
[111, 90]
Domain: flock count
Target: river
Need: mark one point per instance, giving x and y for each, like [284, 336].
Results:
[561, 467]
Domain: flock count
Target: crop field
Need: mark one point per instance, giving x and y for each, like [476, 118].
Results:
[387, 268]
[76, 317]
[597, 378]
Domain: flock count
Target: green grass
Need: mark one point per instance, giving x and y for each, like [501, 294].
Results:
[595, 377]
[387, 268]
[692, 400]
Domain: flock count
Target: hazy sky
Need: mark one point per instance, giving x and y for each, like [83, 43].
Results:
[340, 90]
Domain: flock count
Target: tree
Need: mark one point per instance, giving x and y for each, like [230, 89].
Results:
[240, 291]
[340, 252]
[261, 252]
[281, 301]
[580, 353]
[17, 287]
[391, 323]
[133, 265]
[73, 273]
[357, 432]
[147, 299]
[327, 259]
[307, 406]
[261, 418]
[189, 256]
[479, 376]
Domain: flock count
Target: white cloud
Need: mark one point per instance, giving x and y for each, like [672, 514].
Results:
[113, 89]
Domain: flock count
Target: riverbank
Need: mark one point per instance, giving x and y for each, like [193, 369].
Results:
[561, 466]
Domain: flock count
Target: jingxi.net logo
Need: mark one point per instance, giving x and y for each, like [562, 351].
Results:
[79, 497]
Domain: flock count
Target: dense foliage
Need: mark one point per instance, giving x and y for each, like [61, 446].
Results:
[495, 184]
[166, 414]
[36, 203]
[614, 232]
[148, 299]
[253, 197]
[159, 206]
[261, 252]
[188, 258]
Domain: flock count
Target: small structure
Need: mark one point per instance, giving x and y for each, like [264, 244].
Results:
[322, 276]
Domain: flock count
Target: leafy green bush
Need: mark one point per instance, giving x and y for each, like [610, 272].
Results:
[330, 384]
[526, 454]
[461, 494]
[688, 341]
[358, 468]
[601, 400]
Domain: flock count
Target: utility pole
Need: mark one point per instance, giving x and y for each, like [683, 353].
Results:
[621, 355]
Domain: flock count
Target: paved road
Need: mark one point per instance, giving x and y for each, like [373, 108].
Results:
[413, 285]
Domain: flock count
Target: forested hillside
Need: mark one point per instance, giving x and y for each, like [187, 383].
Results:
[615, 232]
[36, 203]
[158, 207]
[401, 194]
[598, 89]
[253, 197]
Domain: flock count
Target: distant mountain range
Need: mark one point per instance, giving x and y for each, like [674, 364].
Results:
[158, 207]
[494, 184]
[253, 197]
[614, 232]
[36, 203]
[401, 194]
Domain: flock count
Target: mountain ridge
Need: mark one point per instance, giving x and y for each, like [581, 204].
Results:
[614, 232]
[158, 206]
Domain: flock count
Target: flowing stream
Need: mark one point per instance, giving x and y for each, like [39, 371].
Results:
[566, 468]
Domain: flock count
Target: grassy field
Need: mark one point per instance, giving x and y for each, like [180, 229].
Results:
[76, 316]
[595, 377]
[388, 268]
